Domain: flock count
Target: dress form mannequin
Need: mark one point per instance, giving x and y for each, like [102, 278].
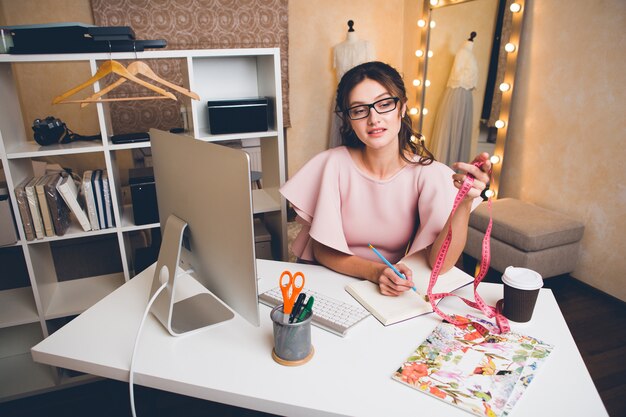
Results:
[452, 131]
[346, 55]
[351, 52]
[465, 69]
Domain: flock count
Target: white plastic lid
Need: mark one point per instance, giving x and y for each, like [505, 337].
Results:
[522, 278]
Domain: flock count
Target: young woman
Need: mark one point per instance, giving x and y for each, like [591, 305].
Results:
[381, 187]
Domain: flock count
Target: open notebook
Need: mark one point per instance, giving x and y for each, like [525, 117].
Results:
[390, 310]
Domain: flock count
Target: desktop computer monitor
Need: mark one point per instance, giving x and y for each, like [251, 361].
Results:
[205, 208]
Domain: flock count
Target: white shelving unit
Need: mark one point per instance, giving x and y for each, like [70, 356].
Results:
[29, 313]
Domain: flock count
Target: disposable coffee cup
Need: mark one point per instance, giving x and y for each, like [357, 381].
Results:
[521, 287]
[292, 341]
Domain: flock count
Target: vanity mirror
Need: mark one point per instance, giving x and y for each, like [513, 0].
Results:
[466, 73]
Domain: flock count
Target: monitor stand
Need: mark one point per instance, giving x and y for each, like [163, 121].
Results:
[193, 313]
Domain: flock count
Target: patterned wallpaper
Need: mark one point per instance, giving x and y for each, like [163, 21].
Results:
[191, 24]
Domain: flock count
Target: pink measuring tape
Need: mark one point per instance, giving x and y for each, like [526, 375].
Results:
[479, 304]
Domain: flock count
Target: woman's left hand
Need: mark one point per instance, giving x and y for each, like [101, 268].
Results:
[480, 174]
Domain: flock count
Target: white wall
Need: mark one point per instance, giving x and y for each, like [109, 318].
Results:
[566, 146]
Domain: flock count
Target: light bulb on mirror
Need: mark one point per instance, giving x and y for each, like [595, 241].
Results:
[421, 23]
[490, 193]
[509, 47]
[413, 111]
[515, 7]
[434, 2]
[433, 24]
[499, 124]
[430, 54]
[427, 83]
[505, 87]
[417, 83]
[494, 159]
[424, 111]
[419, 53]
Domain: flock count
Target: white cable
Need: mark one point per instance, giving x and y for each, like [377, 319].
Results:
[132, 360]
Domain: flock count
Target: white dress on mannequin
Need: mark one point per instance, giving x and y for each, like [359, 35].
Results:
[347, 55]
[350, 53]
[452, 131]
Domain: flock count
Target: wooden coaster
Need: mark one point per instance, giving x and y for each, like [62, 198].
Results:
[293, 363]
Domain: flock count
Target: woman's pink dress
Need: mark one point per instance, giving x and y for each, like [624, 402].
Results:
[343, 208]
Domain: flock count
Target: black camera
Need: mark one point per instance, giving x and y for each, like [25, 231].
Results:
[52, 130]
[49, 131]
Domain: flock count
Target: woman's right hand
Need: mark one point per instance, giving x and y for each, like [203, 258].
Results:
[389, 283]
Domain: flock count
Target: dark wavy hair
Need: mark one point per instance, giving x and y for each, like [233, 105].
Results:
[388, 77]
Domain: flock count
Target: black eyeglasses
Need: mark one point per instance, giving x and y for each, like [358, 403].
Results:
[361, 111]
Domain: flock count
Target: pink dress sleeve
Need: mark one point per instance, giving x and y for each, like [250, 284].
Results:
[314, 194]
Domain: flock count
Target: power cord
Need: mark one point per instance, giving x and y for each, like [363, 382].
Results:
[132, 359]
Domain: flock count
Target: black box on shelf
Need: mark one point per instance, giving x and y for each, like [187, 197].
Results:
[8, 235]
[262, 241]
[143, 195]
[238, 116]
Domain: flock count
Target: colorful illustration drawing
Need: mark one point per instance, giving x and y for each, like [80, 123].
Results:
[483, 373]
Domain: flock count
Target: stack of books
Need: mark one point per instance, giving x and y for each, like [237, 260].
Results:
[45, 203]
[97, 197]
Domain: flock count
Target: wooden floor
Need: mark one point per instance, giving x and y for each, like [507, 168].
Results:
[598, 324]
[596, 320]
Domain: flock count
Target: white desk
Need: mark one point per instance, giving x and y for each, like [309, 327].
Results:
[232, 363]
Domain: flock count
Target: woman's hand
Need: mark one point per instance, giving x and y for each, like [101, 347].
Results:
[481, 174]
[391, 284]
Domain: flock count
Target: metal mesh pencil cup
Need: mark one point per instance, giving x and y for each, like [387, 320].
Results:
[292, 341]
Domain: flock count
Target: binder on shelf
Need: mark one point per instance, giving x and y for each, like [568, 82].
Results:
[108, 204]
[98, 196]
[59, 211]
[33, 206]
[8, 234]
[22, 204]
[43, 206]
[69, 192]
[90, 202]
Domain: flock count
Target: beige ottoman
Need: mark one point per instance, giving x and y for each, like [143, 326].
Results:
[525, 235]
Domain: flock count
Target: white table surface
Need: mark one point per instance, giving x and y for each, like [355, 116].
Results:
[231, 363]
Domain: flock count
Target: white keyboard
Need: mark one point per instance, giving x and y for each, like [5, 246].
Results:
[329, 314]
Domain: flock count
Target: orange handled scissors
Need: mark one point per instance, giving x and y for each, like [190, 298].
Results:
[290, 288]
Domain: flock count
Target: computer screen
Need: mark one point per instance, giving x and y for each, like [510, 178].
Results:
[207, 188]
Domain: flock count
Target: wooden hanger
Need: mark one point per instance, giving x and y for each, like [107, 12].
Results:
[107, 68]
[139, 67]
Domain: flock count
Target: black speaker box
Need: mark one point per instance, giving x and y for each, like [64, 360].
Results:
[238, 116]
[143, 195]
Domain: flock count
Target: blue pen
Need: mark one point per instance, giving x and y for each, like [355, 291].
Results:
[393, 268]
